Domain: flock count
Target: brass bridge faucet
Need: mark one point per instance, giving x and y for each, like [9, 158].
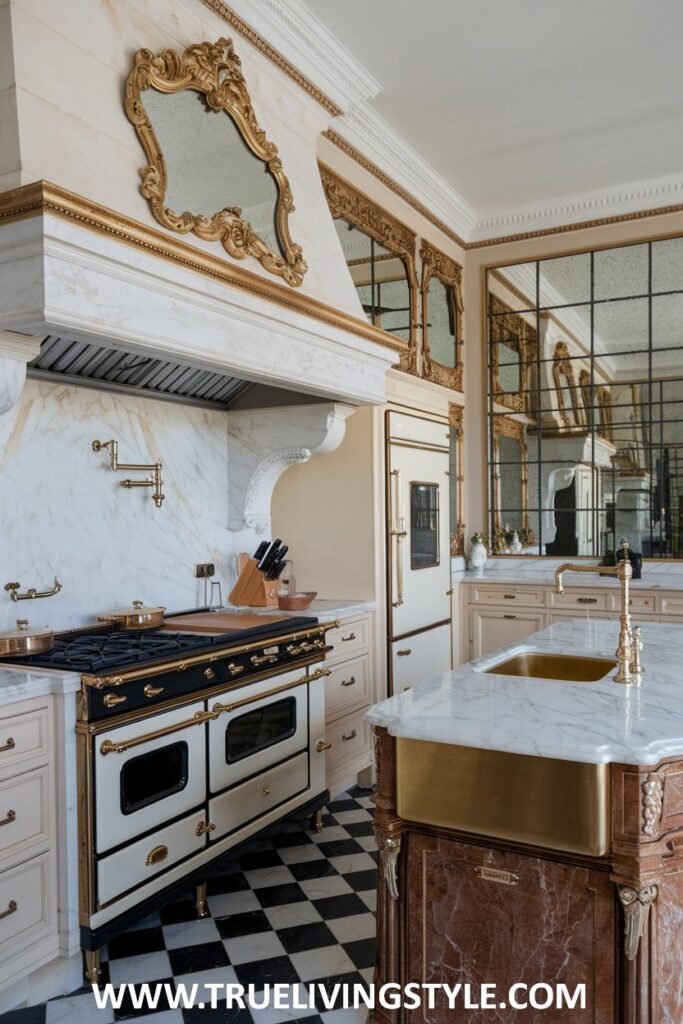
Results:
[628, 651]
[154, 468]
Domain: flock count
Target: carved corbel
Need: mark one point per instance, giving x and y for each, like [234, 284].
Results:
[652, 790]
[636, 904]
[389, 847]
[16, 350]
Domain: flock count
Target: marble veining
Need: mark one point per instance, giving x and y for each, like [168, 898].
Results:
[540, 571]
[22, 683]
[597, 723]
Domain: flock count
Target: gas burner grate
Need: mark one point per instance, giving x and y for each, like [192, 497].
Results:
[93, 652]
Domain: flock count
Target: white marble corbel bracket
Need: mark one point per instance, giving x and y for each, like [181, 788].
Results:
[263, 443]
[16, 350]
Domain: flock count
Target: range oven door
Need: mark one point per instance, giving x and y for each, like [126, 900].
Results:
[262, 724]
[147, 773]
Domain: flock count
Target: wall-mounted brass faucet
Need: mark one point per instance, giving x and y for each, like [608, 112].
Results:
[14, 594]
[628, 651]
[154, 468]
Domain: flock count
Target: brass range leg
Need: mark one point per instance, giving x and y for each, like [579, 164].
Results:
[93, 971]
[317, 820]
[200, 901]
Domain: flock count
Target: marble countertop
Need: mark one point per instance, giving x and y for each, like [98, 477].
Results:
[528, 574]
[325, 610]
[592, 722]
[22, 683]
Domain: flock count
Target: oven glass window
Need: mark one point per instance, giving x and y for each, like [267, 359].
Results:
[261, 728]
[424, 525]
[153, 776]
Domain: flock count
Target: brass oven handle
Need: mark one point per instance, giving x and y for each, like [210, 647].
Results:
[111, 700]
[203, 827]
[397, 530]
[221, 709]
[321, 745]
[234, 669]
[9, 745]
[349, 682]
[11, 909]
[587, 600]
[156, 855]
[11, 816]
[351, 636]
[352, 735]
[152, 691]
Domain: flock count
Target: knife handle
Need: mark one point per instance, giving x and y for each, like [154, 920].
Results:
[261, 550]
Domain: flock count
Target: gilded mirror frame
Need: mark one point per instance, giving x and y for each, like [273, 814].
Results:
[507, 426]
[455, 421]
[215, 72]
[436, 264]
[346, 203]
[525, 339]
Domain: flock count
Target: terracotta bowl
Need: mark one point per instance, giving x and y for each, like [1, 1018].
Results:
[297, 602]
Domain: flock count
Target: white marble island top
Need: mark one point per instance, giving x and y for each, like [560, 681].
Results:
[597, 722]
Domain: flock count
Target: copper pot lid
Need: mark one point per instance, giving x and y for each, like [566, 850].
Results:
[26, 640]
[136, 609]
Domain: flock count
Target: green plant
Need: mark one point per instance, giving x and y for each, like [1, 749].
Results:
[480, 538]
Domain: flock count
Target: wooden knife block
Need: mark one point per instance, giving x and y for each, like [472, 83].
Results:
[252, 588]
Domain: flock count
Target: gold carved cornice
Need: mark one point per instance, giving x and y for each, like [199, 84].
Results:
[214, 71]
[43, 197]
[436, 264]
[349, 204]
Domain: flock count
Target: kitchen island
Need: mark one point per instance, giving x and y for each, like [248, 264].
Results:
[531, 829]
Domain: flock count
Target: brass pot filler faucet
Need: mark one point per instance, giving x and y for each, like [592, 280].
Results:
[630, 644]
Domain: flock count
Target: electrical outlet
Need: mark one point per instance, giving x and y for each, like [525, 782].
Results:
[204, 570]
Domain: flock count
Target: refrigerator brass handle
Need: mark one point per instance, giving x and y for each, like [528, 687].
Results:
[156, 855]
[398, 531]
[404, 653]
[11, 816]
[11, 909]
[321, 745]
[9, 745]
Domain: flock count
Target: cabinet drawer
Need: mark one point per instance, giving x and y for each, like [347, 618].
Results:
[251, 799]
[350, 639]
[588, 600]
[351, 739]
[527, 597]
[146, 858]
[26, 914]
[347, 687]
[643, 604]
[24, 812]
[672, 606]
[23, 737]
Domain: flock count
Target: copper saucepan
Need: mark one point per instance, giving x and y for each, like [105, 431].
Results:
[139, 616]
[23, 640]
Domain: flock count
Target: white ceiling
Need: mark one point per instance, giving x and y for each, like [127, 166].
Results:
[528, 104]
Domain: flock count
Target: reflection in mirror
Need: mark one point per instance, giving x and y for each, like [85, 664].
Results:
[596, 395]
[424, 525]
[442, 317]
[380, 278]
[456, 478]
[210, 168]
[442, 310]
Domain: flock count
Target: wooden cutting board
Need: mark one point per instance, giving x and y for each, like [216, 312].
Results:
[219, 622]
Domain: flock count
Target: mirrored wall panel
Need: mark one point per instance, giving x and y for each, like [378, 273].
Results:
[380, 278]
[585, 400]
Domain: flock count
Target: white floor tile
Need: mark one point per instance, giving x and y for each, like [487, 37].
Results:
[330, 835]
[164, 1017]
[270, 1015]
[190, 933]
[136, 969]
[320, 888]
[345, 817]
[233, 903]
[216, 976]
[357, 926]
[292, 914]
[299, 854]
[367, 842]
[370, 900]
[322, 963]
[263, 877]
[359, 1016]
[250, 948]
[353, 862]
[78, 1010]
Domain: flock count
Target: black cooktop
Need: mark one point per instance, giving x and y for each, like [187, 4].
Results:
[113, 649]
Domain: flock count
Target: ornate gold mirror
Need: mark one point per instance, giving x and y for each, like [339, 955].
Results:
[210, 168]
[456, 478]
[510, 484]
[442, 309]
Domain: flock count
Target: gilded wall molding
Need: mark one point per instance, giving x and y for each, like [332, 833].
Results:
[42, 197]
[436, 264]
[563, 368]
[507, 426]
[214, 71]
[347, 203]
[511, 329]
[455, 421]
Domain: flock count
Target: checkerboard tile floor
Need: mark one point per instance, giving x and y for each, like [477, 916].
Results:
[300, 908]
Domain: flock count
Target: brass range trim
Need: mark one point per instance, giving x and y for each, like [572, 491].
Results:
[42, 197]
[104, 682]
[536, 801]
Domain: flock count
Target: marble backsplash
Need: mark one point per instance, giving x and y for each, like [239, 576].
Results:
[64, 513]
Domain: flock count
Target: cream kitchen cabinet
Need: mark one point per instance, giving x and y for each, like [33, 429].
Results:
[349, 692]
[495, 627]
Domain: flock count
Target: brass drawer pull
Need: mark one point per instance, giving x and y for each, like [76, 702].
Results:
[111, 700]
[156, 855]
[321, 745]
[11, 909]
[265, 791]
[509, 616]
[235, 670]
[587, 600]
[405, 653]
[152, 691]
[349, 682]
[203, 827]
[11, 816]
[351, 636]
[510, 597]
[352, 735]
[8, 746]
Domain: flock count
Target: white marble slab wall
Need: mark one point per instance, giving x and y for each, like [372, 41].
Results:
[64, 513]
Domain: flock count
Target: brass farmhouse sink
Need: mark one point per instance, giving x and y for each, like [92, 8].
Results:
[567, 667]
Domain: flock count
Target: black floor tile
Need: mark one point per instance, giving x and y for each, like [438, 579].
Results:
[223, 1015]
[146, 940]
[204, 957]
[297, 838]
[276, 895]
[306, 936]
[242, 924]
[232, 882]
[358, 791]
[362, 952]
[346, 804]
[340, 906]
[263, 859]
[128, 1012]
[27, 1015]
[312, 869]
[359, 828]
[180, 912]
[362, 881]
[340, 848]
[279, 970]
[328, 983]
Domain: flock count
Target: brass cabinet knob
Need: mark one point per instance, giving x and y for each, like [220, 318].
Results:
[263, 659]
[321, 745]
[235, 670]
[205, 826]
[265, 791]
[209, 673]
[112, 700]
[152, 691]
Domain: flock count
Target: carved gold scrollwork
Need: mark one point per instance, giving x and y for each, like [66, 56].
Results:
[437, 264]
[455, 420]
[652, 790]
[562, 367]
[215, 71]
[636, 904]
[389, 849]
